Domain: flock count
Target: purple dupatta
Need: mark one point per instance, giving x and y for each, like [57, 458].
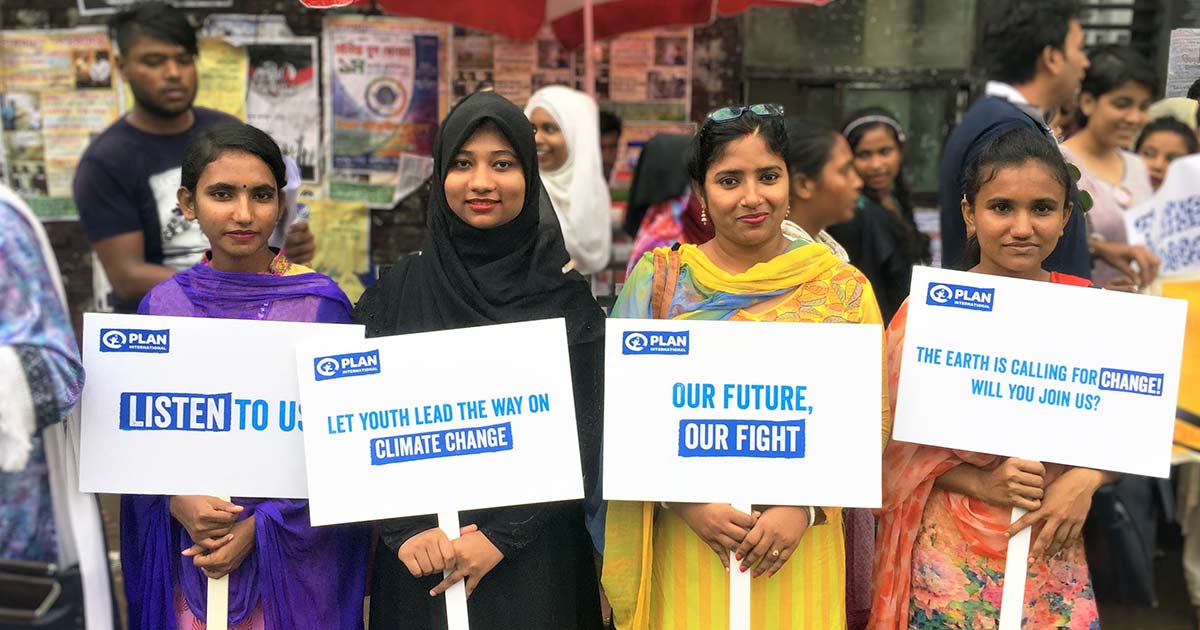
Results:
[304, 577]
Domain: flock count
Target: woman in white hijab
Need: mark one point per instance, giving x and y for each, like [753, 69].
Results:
[567, 124]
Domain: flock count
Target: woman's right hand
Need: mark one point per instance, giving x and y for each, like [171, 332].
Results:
[208, 520]
[718, 524]
[430, 552]
[1015, 483]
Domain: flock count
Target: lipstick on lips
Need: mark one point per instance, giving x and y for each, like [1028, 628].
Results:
[754, 218]
[483, 206]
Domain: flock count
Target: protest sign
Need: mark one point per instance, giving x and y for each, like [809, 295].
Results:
[1034, 370]
[685, 421]
[483, 416]
[1168, 223]
[194, 403]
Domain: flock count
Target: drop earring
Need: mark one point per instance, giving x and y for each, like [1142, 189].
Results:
[703, 215]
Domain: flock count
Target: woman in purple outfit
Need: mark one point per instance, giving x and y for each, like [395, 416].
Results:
[284, 574]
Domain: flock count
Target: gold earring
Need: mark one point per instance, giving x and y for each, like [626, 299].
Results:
[703, 216]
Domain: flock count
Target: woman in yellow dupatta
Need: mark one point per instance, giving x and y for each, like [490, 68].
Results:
[664, 564]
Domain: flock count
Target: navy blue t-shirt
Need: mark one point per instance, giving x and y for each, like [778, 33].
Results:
[987, 119]
[127, 180]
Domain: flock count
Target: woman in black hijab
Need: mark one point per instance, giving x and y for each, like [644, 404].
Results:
[493, 253]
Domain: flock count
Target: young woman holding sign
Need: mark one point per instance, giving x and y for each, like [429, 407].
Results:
[493, 254]
[943, 534]
[665, 565]
[284, 574]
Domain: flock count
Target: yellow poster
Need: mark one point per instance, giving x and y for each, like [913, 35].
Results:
[1188, 434]
[221, 72]
[342, 231]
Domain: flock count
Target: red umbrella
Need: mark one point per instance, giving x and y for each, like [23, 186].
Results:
[521, 19]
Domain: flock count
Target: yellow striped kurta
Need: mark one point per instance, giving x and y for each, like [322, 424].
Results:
[690, 589]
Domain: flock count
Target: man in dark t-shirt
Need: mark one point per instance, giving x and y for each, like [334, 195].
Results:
[126, 182]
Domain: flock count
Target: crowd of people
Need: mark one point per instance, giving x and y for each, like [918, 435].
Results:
[761, 215]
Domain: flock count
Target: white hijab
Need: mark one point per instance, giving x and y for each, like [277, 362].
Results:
[577, 188]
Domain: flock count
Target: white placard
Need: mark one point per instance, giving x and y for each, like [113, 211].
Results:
[693, 409]
[1041, 371]
[179, 405]
[453, 420]
[1169, 222]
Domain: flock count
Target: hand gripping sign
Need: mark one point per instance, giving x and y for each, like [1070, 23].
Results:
[179, 405]
[1040, 371]
[742, 413]
[489, 412]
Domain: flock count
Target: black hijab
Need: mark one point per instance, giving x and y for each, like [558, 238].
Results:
[467, 276]
[660, 175]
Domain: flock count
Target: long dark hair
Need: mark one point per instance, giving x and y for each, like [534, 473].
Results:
[1012, 148]
[916, 242]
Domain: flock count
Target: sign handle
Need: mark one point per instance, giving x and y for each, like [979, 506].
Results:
[456, 596]
[739, 586]
[1016, 565]
[217, 607]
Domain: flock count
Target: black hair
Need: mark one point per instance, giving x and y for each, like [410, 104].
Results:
[234, 136]
[709, 142]
[1015, 32]
[1112, 67]
[917, 242]
[610, 123]
[1173, 125]
[1194, 91]
[809, 145]
[1010, 149]
[154, 19]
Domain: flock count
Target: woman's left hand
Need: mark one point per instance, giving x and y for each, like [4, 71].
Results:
[1064, 509]
[230, 556]
[476, 557]
[773, 539]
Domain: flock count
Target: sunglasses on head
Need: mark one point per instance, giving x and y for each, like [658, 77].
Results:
[734, 112]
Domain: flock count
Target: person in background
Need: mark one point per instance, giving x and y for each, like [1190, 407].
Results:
[568, 153]
[610, 141]
[492, 254]
[1163, 141]
[125, 183]
[1033, 53]
[662, 210]
[665, 564]
[823, 185]
[1194, 91]
[883, 240]
[1116, 92]
[946, 516]
[284, 574]
[44, 519]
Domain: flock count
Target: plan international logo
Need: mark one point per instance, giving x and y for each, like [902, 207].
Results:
[959, 296]
[343, 365]
[654, 342]
[135, 340]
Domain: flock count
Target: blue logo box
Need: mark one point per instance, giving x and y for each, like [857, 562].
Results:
[343, 365]
[654, 342]
[135, 340]
[960, 296]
